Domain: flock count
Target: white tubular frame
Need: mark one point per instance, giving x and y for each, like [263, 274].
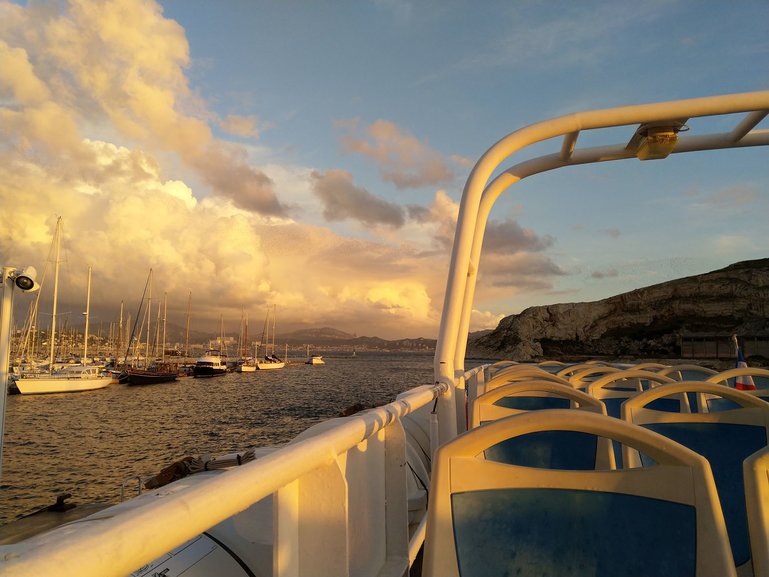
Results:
[478, 196]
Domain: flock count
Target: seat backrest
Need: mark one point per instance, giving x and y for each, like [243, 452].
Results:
[518, 376]
[552, 449]
[615, 388]
[724, 438]
[756, 473]
[759, 377]
[569, 370]
[583, 377]
[651, 367]
[687, 372]
[498, 366]
[490, 518]
[530, 395]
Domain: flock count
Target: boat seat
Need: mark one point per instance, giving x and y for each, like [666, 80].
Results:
[489, 518]
[552, 449]
[712, 403]
[756, 472]
[724, 438]
[688, 373]
[580, 379]
[615, 388]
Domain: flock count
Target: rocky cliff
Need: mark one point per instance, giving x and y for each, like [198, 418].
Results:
[646, 322]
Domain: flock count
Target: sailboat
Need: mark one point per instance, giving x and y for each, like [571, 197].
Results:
[71, 379]
[270, 361]
[152, 373]
[246, 363]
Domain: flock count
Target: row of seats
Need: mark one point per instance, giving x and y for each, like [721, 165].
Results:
[604, 470]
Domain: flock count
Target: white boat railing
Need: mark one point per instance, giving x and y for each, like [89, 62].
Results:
[340, 507]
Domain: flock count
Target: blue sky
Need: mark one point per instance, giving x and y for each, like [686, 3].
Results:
[313, 153]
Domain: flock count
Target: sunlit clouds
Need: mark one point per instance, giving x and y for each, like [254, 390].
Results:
[242, 172]
[401, 158]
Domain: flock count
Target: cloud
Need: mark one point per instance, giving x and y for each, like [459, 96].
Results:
[342, 200]
[612, 232]
[508, 236]
[245, 126]
[516, 272]
[116, 70]
[226, 170]
[611, 272]
[99, 125]
[440, 217]
[480, 320]
[402, 159]
[733, 197]
[733, 244]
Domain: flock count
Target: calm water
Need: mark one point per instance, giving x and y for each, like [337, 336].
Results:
[88, 443]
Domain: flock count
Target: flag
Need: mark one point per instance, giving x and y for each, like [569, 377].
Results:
[743, 382]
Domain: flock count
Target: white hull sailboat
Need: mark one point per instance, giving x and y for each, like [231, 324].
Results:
[72, 379]
[68, 380]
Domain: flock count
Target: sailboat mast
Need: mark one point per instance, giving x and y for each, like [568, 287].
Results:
[55, 295]
[165, 311]
[149, 321]
[157, 335]
[187, 338]
[119, 336]
[274, 309]
[87, 314]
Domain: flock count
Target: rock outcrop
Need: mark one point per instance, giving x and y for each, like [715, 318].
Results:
[647, 322]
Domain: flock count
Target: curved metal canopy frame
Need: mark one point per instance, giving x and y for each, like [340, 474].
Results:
[478, 197]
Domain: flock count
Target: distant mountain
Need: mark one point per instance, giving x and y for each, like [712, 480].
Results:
[327, 336]
[645, 322]
[316, 336]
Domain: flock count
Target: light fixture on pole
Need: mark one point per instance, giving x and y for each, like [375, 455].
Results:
[656, 140]
[12, 278]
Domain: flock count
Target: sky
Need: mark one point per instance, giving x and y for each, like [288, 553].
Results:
[312, 155]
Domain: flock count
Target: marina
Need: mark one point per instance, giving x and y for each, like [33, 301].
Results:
[112, 435]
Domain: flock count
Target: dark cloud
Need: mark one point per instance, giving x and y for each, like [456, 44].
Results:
[342, 200]
[608, 273]
[230, 176]
[518, 272]
[507, 236]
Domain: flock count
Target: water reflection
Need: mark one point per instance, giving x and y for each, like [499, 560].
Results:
[88, 443]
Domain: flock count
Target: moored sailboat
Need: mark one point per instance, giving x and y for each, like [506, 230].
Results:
[270, 360]
[70, 379]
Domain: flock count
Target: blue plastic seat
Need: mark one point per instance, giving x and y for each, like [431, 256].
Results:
[756, 472]
[567, 450]
[714, 403]
[490, 518]
[724, 438]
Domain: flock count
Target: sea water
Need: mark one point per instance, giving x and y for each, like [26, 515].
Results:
[88, 444]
